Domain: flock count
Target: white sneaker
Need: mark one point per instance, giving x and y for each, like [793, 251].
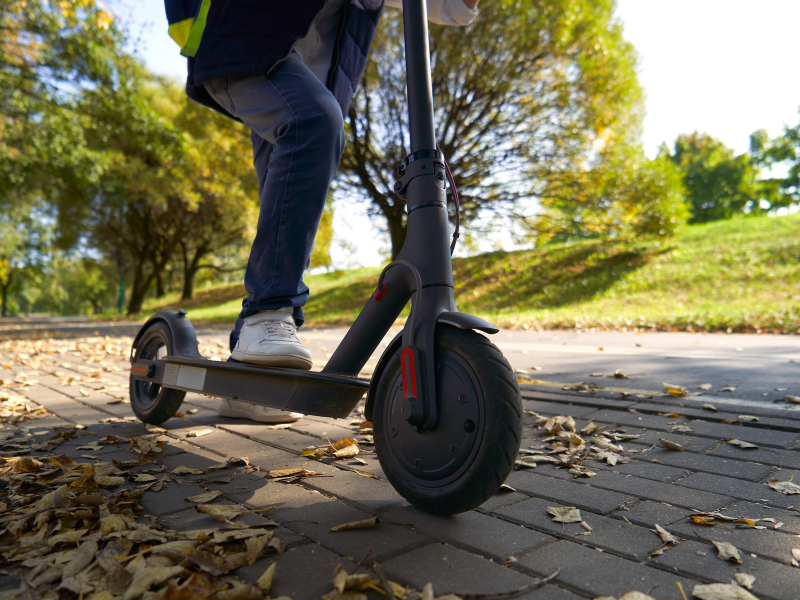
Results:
[255, 412]
[269, 338]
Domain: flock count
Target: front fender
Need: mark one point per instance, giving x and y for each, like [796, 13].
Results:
[184, 338]
[453, 319]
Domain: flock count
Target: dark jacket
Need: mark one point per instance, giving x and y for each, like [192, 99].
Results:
[244, 38]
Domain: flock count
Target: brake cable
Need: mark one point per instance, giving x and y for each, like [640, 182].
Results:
[458, 202]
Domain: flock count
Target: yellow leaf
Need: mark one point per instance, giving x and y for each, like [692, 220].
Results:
[363, 524]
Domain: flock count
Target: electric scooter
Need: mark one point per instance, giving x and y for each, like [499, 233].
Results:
[444, 403]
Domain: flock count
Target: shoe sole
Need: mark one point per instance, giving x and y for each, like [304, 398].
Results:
[290, 361]
[241, 414]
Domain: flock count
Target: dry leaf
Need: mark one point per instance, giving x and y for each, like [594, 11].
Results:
[221, 512]
[181, 470]
[671, 445]
[796, 553]
[363, 524]
[636, 596]
[565, 514]
[591, 428]
[704, 386]
[784, 487]
[245, 591]
[721, 591]
[728, 551]
[745, 580]
[108, 481]
[792, 399]
[216, 467]
[675, 390]
[747, 418]
[581, 471]
[205, 497]
[27, 465]
[743, 445]
[84, 392]
[710, 407]
[666, 536]
[264, 582]
[347, 452]
[199, 432]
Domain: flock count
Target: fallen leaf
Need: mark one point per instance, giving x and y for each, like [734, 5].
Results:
[710, 407]
[704, 386]
[747, 418]
[721, 591]
[347, 452]
[675, 390]
[636, 596]
[745, 580]
[27, 465]
[784, 487]
[792, 399]
[666, 536]
[264, 582]
[796, 553]
[591, 428]
[84, 392]
[181, 470]
[743, 445]
[216, 467]
[565, 514]
[729, 388]
[728, 551]
[702, 520]
[581, 471]
[199, 432]
[204, 497]
[144, 478]
[221, 512]
[363, 524]
[108, 481]
[671, 445]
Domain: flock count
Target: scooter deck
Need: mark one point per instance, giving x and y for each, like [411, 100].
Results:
[307, 392]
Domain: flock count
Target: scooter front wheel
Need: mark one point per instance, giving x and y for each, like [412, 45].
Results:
[151, 402]
[465, 459]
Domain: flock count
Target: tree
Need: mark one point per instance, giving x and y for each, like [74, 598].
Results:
[521, 96]
[781, 151]
[623, 195]
[321, 255]
[23, 240]
[718, 183]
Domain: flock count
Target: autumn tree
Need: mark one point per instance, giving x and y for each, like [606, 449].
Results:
[521, 97]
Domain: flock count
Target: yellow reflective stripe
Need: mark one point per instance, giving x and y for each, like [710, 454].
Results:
[180, 31]
[196, 33]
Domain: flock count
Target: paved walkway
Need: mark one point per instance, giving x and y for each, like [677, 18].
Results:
[507, 547]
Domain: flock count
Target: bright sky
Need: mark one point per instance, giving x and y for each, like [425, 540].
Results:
[722, 67]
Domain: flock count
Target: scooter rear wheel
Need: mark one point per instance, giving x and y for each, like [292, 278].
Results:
[465, 459]
[151, 402]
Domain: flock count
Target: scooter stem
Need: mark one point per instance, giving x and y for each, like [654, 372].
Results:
[418, 76]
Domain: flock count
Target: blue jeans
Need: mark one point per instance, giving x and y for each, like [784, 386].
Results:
[298, 138]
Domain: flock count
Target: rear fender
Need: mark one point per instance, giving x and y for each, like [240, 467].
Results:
[184, 338]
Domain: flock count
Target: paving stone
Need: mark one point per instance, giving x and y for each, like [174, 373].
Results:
[648, 514]
[194, 458]
[278, 438]
[780, 458]
[323, 430]
[690, 443]
[646, 470]
[379, 543]
[610, 534]
[556, 408]
[126, 430]
[549, 592]
[303, 573]
[471, 531]
[736, 488]
[529, 392]
[593, 573]
[190, 519]
[673, 493]
[283, 496]
[700, 560]
[501, 499]
[789, 518]
[453, 571]
[365, 493]
[754, 435]
[583, 495]
[622, 417]
[718, 417]
[709, 464]
[765, 543]
[171, 498]
[10, 582]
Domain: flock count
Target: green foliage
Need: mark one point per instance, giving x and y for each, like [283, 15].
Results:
[785, 151]
[521, 97]
[718, 183]
[624, 195]
[321, 255]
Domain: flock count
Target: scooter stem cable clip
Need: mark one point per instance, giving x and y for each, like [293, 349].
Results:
[422, 162]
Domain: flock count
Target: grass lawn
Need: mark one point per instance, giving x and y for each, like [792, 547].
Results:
[742, 274]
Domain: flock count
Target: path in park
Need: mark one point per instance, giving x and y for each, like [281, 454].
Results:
[510, 543]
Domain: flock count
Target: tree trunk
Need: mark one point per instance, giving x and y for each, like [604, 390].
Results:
[159, 284]
[140, 286]
[4, 311]
[190, 271]
[398, 228]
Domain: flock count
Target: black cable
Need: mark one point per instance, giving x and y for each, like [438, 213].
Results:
[458, 202]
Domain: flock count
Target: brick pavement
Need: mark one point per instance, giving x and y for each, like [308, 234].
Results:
[508, 545]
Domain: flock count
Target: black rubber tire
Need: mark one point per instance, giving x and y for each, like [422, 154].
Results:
[150, 402]
[497, 444]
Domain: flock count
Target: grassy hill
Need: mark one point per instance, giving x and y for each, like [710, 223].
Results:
[742, 274]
